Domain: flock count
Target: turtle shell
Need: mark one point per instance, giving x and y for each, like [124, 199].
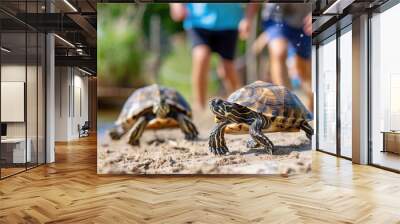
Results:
[272, 101]
[143, 100]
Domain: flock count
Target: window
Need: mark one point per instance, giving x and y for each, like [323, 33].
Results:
[385, 89]
[327, 96]
[346, 93]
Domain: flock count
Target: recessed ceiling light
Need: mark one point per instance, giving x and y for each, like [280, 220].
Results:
[64, 40]
[338, 6]
[84, 71]
[70, 5]
[5, 50]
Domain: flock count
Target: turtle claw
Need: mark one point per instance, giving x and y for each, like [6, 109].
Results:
[216, 141]
[219, 150]
[269, 149]
[134, 142]
[190, 136]
[115, 134]
[251, 144]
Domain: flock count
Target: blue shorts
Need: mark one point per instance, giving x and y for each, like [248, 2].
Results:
[222, 42]
[299, 42]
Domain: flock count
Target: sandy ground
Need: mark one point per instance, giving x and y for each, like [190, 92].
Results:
[167, 152]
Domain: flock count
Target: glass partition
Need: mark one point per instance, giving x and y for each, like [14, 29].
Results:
[327, 96]
[22, 77]
[14, 151]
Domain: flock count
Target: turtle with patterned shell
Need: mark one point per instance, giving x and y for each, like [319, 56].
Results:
[256, 109]
[154, 107]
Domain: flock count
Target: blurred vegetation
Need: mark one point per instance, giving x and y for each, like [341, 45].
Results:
[121, 52]
[161, 9]
[123, 41]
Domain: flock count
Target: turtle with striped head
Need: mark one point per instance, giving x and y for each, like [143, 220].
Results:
[154, 107]
[256, 109]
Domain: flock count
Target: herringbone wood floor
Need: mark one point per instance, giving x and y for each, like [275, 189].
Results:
[69, 191]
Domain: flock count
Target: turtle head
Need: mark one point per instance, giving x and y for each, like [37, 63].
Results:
[220, 108]
[161, 108]
[230, 111]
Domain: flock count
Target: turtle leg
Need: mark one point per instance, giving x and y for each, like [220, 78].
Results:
[251, 143]
[187, 127]
[118, 131]
[138, 130]
[307, 129]
[216, 143]
[256, 133]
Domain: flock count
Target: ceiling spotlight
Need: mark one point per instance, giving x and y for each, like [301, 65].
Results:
[337, 7]
[84, 71]
[79, 51]
[70, 5]
[65, 41]
[5, 50]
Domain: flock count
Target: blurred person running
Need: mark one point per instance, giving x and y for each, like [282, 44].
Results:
[212, 27]
[286, 26]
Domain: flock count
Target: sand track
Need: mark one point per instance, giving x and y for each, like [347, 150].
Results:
[167, 152]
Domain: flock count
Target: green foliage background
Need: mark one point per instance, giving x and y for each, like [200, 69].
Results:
[121, 53]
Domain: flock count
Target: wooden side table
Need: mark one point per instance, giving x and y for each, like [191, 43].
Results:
[391, 141]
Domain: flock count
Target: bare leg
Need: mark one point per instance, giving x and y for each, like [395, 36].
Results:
[229, 76]
[138, 130]
[260, 43]
[304, 69]
[200, 68]
[278, 54]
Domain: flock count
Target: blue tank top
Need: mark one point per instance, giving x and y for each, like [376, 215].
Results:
[213, 16]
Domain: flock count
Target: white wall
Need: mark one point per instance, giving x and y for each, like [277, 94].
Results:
[80, 110]
[71, 94]
[12, 73]
[61, 103]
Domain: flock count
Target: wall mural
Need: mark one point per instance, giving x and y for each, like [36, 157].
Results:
[201, 88]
